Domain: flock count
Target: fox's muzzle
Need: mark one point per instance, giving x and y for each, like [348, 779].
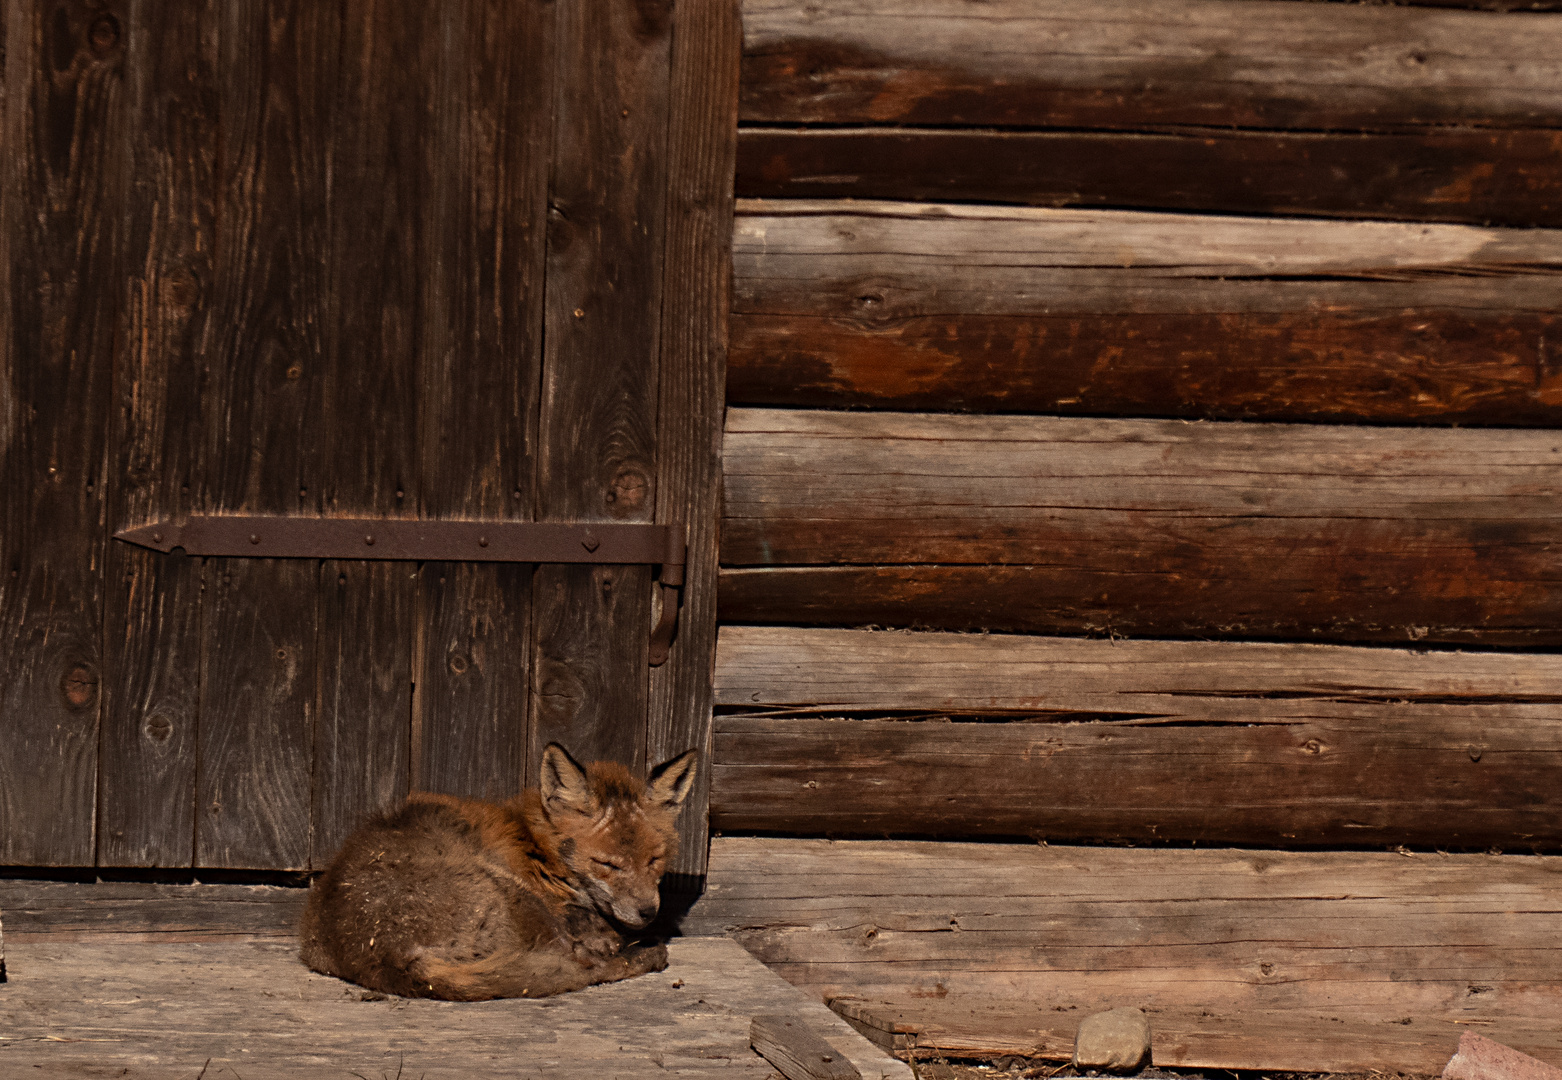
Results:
[635, 914]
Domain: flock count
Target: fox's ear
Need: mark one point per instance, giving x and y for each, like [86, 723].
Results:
[671, 781]
[564, 785]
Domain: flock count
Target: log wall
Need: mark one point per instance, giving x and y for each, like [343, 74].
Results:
[860, 732]
[1234, 105]
[1215, 322]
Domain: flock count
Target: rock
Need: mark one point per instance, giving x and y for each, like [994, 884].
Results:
[1117, 1040]
[1479, 1058]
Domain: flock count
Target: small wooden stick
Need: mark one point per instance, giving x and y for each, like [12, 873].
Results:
[788, 1043]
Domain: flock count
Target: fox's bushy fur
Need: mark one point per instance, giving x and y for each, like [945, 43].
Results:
[467, 900]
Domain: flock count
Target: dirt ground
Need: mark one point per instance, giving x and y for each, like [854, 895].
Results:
[1018, 1068]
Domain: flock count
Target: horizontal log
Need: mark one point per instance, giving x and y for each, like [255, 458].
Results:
[1145, 527]
[1105, 312]
[50, 910]
[1464, 175]
[883, 262]
[1243, 744]
[1330, 938]
[794, 669]
[1050, 599]
[1067, 63]
[1420, 366]
[1429, 777]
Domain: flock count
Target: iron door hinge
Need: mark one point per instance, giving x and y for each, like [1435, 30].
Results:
[438, 541]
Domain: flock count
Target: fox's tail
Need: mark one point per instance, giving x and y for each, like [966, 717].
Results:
[506, 973]
[522, 973]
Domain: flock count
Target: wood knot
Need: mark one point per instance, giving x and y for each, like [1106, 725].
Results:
[79, 686]
[158, 728]
[104, 34]
[182, 290]
[628, 492]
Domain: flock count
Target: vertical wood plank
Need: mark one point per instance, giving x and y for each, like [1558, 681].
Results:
[378, 260]
[257, 702]
[701, 154]
[59, 182]
[469, 706]
[596, 457]
[362, 751]
[479, 370]
[277, 76]
[146, 803]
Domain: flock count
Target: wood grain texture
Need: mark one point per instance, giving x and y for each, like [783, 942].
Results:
[887, 261]
[1419, 366]
[143, 911]
[1190, 62]
[379, 257]
[1444, 940]
[479, 372]
[258, 707]
[469, 705]
[697, 272]
[1147, 528]
[1430, 777]
[895, 305]
[256, 1012]
[362, 754]
[1183, 1036]
[597, 456]
[1477, 176]
[152, 645]
[61, 184]
[250, 1010]
[264, 441]
[1270, 745]
[995, 675]
[788, 1043]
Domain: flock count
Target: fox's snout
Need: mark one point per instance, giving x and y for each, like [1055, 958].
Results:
[636, 914]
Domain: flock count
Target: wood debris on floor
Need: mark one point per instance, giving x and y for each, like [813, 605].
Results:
[150, 994]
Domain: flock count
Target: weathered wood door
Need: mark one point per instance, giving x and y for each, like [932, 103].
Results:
[454, 260]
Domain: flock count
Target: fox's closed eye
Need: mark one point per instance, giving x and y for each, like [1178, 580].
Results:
[608, 864]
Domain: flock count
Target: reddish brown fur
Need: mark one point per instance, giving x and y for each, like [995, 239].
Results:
[461, 899]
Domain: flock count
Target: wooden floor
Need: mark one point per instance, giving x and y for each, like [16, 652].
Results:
[145, 982]
[1339, 961]
[1244, 959]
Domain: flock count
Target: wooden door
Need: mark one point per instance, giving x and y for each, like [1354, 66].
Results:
[439, 261]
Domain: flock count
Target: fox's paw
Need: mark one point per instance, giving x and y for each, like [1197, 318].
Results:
[645, 958]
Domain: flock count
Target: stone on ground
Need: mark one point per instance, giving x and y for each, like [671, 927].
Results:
[1117, 1040]
[1479, 1058]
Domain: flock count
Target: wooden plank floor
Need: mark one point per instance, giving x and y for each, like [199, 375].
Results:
[150, 982]
[1330, 961]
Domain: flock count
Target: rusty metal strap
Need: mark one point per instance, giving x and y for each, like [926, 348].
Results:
[445, 541]
[439, 541]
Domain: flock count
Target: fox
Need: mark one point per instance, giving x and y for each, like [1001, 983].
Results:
[468, 900]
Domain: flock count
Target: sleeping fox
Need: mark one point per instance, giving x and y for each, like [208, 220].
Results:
[466, 900]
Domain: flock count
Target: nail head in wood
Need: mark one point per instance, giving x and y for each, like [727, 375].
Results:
[787, 1042]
